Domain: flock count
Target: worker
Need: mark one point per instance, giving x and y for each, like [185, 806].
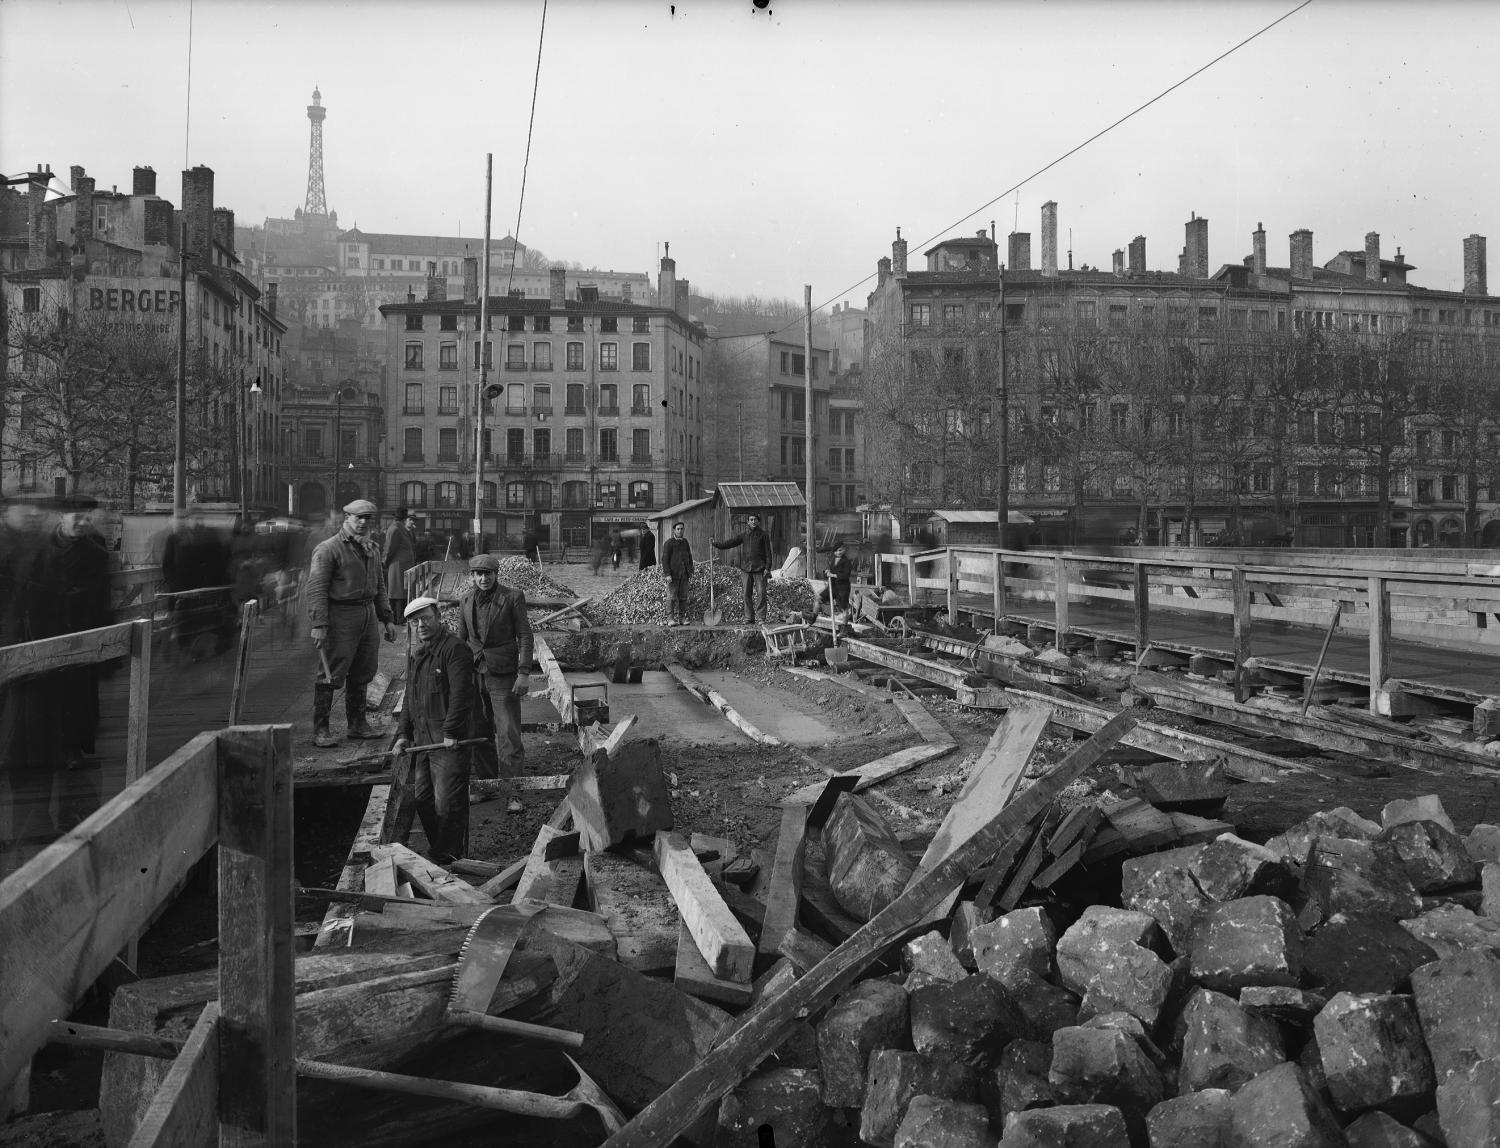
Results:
[677, 564]
[346, 606]
[648, 546]
[492, 622]
[840, 574]
[439, 694]
[755, 561]
[400, 555]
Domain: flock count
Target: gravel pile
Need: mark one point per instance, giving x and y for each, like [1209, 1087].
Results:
[523, 574]
[643, 599]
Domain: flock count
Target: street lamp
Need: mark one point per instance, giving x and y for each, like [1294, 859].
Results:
[346, 391]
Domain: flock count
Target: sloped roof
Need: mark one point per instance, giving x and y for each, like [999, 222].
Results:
[681, 508]
[754, 494]
[1015, 517]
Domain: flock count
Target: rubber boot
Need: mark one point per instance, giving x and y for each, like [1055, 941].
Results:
[322, 706]
[354, 709]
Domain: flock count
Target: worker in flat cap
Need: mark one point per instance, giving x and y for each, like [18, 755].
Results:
[492, 622]
[439, 696]
[346, 607]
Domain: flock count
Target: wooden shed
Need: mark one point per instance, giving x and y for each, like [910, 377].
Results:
[970, 527]
[722, 515]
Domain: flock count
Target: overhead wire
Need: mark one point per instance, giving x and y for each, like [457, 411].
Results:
[526, 162]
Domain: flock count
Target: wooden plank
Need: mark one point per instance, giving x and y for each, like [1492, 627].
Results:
[380, 877]
[136, 752]
[692, 974]
[1000, 868]
[558, 690]
[68, 912]
[1031, 864]
[1242, 652]
[1060, 576]
[804, 950]
[184, 1112]
[506, 879]
[555, 882]
[579, 926]
[690, 682]
[429, 879]
[85, 648]
[997, 586]
[948, 676]
[1141, 607]
[1380, 639]
[719, 937]
[922, 721]
[784, 884]
[874, 772]
[1060, 866]
[761, 1030]
[598, 737]
[638, 908]
[338, 918]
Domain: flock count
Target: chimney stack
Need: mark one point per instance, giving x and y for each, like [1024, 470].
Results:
[1020, 251]
[666, 281]
[471, 279]
[682, 303]
[558, 279]
[882, 270]
[1049, 239]
[198, 214]
[437, 285]
[224, 227]
[1475, 266]
[36, 244]
[1372, 256]
[143, 181]
[83, 207]
[272, 290]
[898, 256]
[1196, 255]
[1138, 255]
[1302, 254]
[1258, 249]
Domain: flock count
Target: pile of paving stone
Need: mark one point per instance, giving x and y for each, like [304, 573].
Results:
[1338, 985]
[527, 577]
[643, 599]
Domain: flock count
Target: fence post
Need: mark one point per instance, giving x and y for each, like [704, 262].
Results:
[1380, 640]
[1142, 611]
[140, 700]
[257, 1045]
[999, 588]
[1241, 634]
[911, 578]
[1060, 600]
[952, 586]
[249, 614]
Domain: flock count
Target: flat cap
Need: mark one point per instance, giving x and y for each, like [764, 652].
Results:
[361, 506]
[417, 605]
[485, 562]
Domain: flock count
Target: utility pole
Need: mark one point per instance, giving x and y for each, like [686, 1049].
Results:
[179, 449]
[484, 360]
[807, 367]
[1002, 432]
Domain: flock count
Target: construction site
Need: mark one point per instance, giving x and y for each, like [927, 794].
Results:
[1148, 847]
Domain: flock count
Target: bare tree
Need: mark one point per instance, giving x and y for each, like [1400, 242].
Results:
[1461, 389]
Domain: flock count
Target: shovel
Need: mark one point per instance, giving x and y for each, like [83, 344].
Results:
[711, 616]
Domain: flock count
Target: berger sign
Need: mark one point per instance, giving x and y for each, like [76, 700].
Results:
[130, 298]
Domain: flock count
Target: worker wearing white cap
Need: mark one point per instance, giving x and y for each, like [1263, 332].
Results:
[346, 606]
[492, 622]
[439, 696]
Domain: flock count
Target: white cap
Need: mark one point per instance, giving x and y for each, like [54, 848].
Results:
[417, 605]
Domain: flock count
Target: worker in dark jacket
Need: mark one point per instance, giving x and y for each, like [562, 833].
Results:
[648, 546]
[677, 565]
[346, 607]
[439, 694]
[399, 557]
[840, 574]
[492, 622]
[755, 561]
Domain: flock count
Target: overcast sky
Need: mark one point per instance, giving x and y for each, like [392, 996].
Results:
[782, 147]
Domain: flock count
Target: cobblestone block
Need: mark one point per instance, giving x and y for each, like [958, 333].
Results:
[1452, 995]
[1280, 1109]
[1067, 1126]
[1371, 1048]
[1468, 1104]
[1231, 867]
[934, 1123]
[1224, 1044]
[895, 1077]
[1197, 1120]
[1428, 807]
[1434, 856]
[1362, 953]
[1250, 941]
[787, 1100]
[1010, 946]
[1163, 886]
[970, 1021]
[870, 1015]
[1019, 1081]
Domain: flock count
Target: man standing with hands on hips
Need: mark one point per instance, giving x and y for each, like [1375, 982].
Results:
[755, 561]
[492, 622]
[346, 606]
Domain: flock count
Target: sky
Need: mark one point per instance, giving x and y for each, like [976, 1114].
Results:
[781, 146]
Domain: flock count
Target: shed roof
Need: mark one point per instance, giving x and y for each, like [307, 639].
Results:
[1016, 518]
[752, 494]
[681, 508]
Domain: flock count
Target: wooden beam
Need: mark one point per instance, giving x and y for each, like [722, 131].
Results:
[1141, 599]
[432, 880]
[762, 1029]
[950, 677]
[874, 772]
[338, 918]
[1380, 639]
[136, 759]
[920, 718]
[558, 690]
[85, 648]
[1060, 614]
[257, 1040]
[68, 912]
[637, 907]
[953, 587]
[184, 1112]
[784, 884]
[1241, 594]
[719, 937]
[692, 975]
[555, 882]
[997, 604]
[249, 612]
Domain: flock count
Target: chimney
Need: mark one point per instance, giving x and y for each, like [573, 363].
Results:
[681, 303]
[559, 284]
[882, 270]
[143, 181]
[437, 285]
[272, 290]
[898, 256]
[1119, 262]
[158, 223]
[83, 207]
[1020, 251]
[1302, 254]
[198, 214]
[224, 227]
[471, 279]
[666, 280]
[1197, 248]
[1372, 256]
[1138, 255]
[36, 246]
[1475, 269]
[1049, 239]
[1258, 249]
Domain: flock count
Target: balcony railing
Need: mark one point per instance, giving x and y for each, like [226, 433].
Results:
[515, 412]
[640, 411]
[609, 456]
[609, 412]
[515, 366]
[408, 457]
[535, 366]
[448, 409]
[572, 410]
[640, 456]
[408, 409]
[529, 460]
[573, 456]
[543, 409]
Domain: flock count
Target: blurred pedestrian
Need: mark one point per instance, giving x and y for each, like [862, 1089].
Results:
[195, 568]
[400, 555]
[616, 544]
[346, 607]
[439, 697]
[677, 564]
[648, 546]
[492, 621]
[598, 553]
[755, 562]
[79, 561]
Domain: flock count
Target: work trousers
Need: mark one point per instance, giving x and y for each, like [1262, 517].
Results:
[507, 715]
[353, 646]
[754, 604]
[677, 596]
[440, 789]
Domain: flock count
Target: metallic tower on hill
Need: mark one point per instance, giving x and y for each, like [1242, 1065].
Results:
[317, 199]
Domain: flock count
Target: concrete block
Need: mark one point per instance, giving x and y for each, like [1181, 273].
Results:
[1468, 1105]
[1250, 941]
[1348, 876]
[1373, 1056]
[934, 1123]
[1067, 1126]
[1483, 842]
[870, 1015]
[1434, 856]
[1452, 929]
[1197, 1120]
[1451, 994]
[787, 1100]
[1296, 843]
[1019, 1081]
[1017, 943]
[1162, 885]
[930, 954]
[1377, 1130]
[1428, 807]
[970, 1021]
[1105, 1066]
[1362, 953]
[1489, 883]
[896, 1077]
[1231, 867]
[1282, 1003]
[1224, 1044]
[966, 918]
[1279, 1109]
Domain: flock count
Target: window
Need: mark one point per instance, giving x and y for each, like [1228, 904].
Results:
[640, 325]
[377, 264]
[609, 356]
[609, 495]
[515, 399]
[447, 322]
[953, 359]
[489, 354]
[515, 322]
[413, 405]
[541, 444]
[448, 444]
[1177, 316]
[448, 494]
[413, 322]
[786, 361]
[541, 356]
[414, 493]
[447, 356]
[541, 398]
[1119, 314]
[447, 400]
[31, 299]
[515, 357]
[575, 356]
[953, 314]
[1119, 417]
[575, 494]
[609, 445]
[575, 322]
[640, 399]
[609, 324]
[835, 459]
[1208, 315]
[640, 446]
[575, 444]
[799, 364]
[921, 314]
[541, 495]
[849, 459]
[1424, 490]
[1449, 486]
[1085, 312]
[641, 495]
[411, 444]
[609, 399]
[515, 446]
[515, 494]
[575, 399]
[541, 323]
[414, 356]
[640, 356]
